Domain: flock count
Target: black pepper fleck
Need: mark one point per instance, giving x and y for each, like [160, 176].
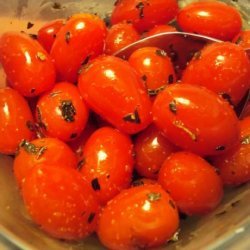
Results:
[95, 184]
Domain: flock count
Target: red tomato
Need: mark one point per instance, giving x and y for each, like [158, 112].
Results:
[60, 201]
[47, 33]
[138, 218]
[222, 67]
[120, 35]
[61, 112]
[243, 39]
[107, 162]
[144, 14]
[160, 29]
[15, 120]
[28, 67]
[112, 89]
[196, 119]
[234, 166]
[192, 182]
[210, 18]
[154, 67]
[79, 40]
[151, 149]
[45, 150]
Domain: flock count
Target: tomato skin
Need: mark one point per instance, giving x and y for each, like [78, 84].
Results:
[138, 218]
[160, 29]
[119, 36]
[60, 201]
[61, 112]
[196, 119]
[223, 68]
[28, 66]
[151, 149]
[144, 15]
[192, 182]
[210, 18]
[154, 67]
[47, 33]
[47, 151]
[112, 89]
[80, 39]
[108, 162]
[15, 115]
[243, 39]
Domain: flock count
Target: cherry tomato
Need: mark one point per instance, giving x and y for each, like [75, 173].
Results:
[28, 67]
[15, 120]
[160, 29]
[79, 40]
[243, 39]
[47, 33]
[119, 36]
[112, 89]
[144, 14]
[222, 67]
[107, 162]
[151, 149]
[61, 112]
[138, 218]
[192, 182]
[196, 119]
[210, 18]
[234, 166]
[154, 67]
[45, 150]
[60, 201]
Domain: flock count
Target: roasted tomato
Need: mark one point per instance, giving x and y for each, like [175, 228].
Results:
[15, 120]
[192, 182]
[211, 18]
[28, 66]
[138, 218]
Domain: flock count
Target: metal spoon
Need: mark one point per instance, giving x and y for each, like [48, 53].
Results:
[181, 47]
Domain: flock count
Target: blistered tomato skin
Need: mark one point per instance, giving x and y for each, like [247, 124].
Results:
[28, 67]
[144, 15]
[223, 68]
[193, 183]
[79, 40]
[107, 163]
[138, 218]
[211, 18]
[112, 88]
[196, 119]
[41, 151]
[61, 112]
[60, 201]
[15, 118]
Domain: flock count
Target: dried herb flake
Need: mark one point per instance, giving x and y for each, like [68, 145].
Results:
[30, 25]
[84, 64]
[220, 148]
[133, 117]
[67, 36]
[171, 203]
[246, 140]
[161, 52]
[80, 164]
[32, 149]
[181, 125]
[95, 184]
[154, 92]
[140, 7]
[172, 106]
[152, 197]
[68, 110]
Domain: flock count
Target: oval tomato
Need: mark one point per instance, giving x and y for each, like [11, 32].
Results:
[112, 89]
[15, 120]
[160, 29]
[28, 66]
[196, 119]
[210, 18]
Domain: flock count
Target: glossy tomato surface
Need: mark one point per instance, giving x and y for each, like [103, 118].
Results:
[28, 67]
[210, 18]
[138, 218]
[15, 118]
[196, 119]
[112, 89]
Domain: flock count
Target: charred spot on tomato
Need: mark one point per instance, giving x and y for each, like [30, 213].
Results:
[245, 140]
[133, 117]
[170, 78]
[32, 149]
[68, 110]
[172, 107]
[227, 97]
[140, 6]
[80, 164]
[154, 92]
[67, 36]
[181, 125]
[41, 56]
[84, 64]
[171, 203]
[30, 25]
[154, 196]
[220, 148]
[161, 52]
[95, 184]
[91, 217]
